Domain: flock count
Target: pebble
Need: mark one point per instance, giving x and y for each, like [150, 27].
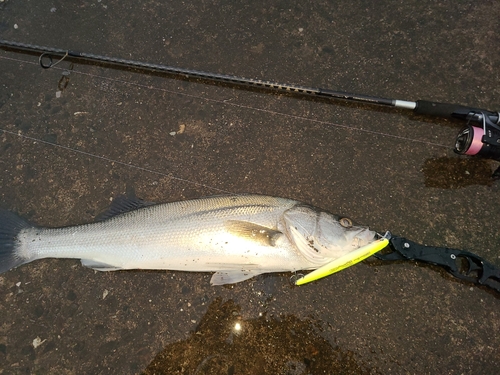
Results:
[37, 342]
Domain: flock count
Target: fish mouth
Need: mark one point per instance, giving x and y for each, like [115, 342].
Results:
[362, 237]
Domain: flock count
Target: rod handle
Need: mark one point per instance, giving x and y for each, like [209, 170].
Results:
[448, 110]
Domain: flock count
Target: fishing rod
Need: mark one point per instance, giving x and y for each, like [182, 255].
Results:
[480, 136]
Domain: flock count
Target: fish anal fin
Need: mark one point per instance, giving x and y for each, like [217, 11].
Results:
[258, 233]
[232, 276]
[99, 266]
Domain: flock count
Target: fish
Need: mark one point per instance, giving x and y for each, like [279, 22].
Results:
[235, 236]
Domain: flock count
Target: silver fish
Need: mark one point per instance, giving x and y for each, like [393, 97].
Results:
[237, 236]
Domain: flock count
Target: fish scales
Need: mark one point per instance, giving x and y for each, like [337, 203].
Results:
[235, 236]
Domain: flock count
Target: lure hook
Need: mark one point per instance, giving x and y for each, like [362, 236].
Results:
[295, 277]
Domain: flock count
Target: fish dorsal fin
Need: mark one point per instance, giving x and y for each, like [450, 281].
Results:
[122, 204]
[258, 233]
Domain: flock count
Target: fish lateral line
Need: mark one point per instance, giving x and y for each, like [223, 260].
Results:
[237, 237]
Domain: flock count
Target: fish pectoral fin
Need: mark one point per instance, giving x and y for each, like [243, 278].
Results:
[258, 233]
[98, 266]
[232, 276]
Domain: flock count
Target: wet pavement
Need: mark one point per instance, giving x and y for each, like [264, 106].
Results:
[64, 156]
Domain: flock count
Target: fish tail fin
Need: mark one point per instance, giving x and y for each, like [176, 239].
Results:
[10, 226]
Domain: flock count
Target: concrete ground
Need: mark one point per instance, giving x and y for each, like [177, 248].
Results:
[385, 168]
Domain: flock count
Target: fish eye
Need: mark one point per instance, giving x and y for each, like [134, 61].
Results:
[345, 222]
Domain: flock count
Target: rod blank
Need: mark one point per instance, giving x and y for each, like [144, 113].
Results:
[420, 107]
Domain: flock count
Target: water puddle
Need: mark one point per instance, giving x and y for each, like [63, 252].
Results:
[225, 343]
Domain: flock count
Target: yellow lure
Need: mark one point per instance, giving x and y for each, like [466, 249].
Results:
[345, 261]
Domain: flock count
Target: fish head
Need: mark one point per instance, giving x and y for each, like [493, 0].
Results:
[321, 236]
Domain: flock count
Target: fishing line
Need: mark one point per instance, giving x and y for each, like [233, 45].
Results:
[104, 158]
[67, 148]
[480, 137]
[243, 106]
[223, 102]
[473, 140]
